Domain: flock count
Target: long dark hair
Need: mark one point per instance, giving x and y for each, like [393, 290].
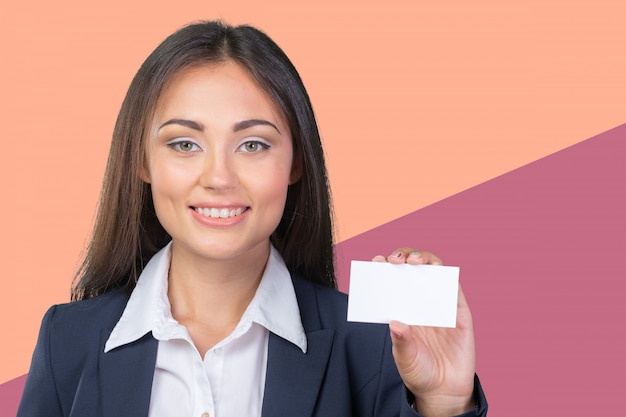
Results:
[127, 232]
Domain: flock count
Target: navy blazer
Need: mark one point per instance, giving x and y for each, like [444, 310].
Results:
[348, 369]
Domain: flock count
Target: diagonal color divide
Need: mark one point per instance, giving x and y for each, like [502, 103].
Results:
[541, 255]
[541, 251]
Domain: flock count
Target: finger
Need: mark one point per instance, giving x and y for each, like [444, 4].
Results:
[423, 258]
[411, 256]
[464, 315]
[399, 255]
[415, 258]
[462, 301]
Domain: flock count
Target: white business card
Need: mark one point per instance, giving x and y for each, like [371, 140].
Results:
[423, 295]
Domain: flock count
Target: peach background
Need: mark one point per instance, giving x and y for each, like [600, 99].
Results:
[415, 102]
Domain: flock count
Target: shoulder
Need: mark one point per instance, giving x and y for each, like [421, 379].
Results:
[330, 304]
[76, 330]
[101, 312]
[325, 308]
[70, 341]
[320, 306]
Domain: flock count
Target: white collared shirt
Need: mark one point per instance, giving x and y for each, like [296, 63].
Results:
[229, 381]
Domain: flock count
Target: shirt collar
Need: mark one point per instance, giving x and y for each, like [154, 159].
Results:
[274, 305]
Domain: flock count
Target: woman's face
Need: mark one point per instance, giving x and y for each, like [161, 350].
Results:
[219, 160]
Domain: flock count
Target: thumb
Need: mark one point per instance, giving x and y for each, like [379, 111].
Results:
[404, 349]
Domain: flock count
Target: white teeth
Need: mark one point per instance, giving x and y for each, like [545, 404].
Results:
[216, 213]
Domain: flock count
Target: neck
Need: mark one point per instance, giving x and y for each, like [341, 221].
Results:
[210, 296]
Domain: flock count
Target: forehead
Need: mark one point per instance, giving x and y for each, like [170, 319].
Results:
[219, 89]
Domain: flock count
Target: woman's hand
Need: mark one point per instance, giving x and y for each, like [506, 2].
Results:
[436, 364]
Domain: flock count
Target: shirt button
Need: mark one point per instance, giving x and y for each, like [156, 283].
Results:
[206, 414]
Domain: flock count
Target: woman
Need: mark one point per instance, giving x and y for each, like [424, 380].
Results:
[208, 286]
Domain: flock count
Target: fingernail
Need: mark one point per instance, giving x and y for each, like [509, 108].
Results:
[395, 334]
[397, 254]
[397, 328]
[415, 254]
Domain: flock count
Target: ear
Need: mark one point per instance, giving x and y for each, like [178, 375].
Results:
[296, 169]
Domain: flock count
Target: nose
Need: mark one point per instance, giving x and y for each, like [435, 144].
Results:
[218, 172]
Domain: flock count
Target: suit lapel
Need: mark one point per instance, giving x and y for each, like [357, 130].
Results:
[126, 377]
[293, 378]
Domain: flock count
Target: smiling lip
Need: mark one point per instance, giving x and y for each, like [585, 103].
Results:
[220, 217]
[219, 213]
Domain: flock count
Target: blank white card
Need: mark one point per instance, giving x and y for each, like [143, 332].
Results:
[424, 295]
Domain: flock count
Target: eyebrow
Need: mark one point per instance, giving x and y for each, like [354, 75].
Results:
[183, 122]
[245, 124]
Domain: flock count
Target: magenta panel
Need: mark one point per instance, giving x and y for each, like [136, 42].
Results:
[542, 252]
[10, 393]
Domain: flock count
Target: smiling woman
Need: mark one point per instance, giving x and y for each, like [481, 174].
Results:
[218, 149]
[208, 286]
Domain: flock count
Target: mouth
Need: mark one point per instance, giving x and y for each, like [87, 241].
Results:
[219, 213]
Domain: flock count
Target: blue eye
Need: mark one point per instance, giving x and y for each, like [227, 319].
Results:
[184, 146]
[253, 146]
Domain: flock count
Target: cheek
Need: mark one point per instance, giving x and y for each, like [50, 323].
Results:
[269, 184]
[169, 181]
[277, 191]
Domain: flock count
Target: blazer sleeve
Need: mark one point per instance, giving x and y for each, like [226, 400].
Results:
[479, 398]
[40, 396]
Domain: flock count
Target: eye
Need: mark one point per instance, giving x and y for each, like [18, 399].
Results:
[184, 146]
[253, 146]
